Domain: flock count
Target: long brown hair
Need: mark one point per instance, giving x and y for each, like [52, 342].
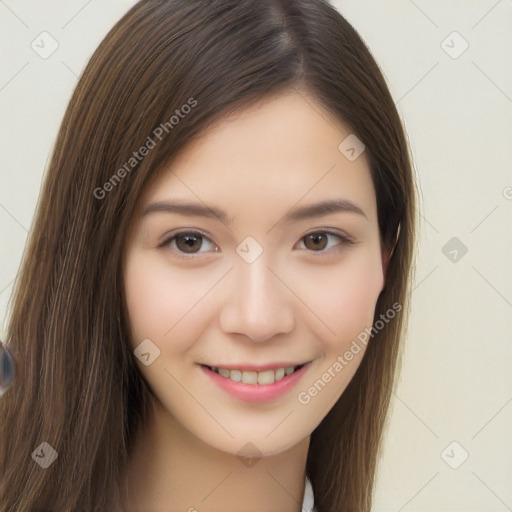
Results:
[78, 388]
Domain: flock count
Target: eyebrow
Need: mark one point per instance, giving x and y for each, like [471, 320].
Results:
[295, 214]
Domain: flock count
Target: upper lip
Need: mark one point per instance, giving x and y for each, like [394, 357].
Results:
[255, 367]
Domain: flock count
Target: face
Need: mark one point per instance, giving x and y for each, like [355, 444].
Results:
[244, 317]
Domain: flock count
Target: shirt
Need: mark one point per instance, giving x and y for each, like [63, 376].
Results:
[308, 503]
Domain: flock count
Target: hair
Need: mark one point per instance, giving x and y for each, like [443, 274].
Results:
[78, 387]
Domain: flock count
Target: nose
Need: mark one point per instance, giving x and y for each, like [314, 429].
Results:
[258, 302]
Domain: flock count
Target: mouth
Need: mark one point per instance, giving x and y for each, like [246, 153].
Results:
[251, 383]
[253, 377]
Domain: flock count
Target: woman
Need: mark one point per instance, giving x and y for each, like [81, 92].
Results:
[209, 312]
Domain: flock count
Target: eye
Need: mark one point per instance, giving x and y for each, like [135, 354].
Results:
[186, 242]
[318, 240]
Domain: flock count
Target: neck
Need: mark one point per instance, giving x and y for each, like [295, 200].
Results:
[172, 470]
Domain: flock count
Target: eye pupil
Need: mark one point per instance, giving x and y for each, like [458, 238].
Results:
[189, 242]
[316, 237]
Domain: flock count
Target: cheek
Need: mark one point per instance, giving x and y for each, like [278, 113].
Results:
[344, 297]
[163, 303]
[360, 288]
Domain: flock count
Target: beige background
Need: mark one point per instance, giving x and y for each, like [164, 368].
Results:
[456, 381]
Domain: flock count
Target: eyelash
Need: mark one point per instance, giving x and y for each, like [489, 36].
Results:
[344, 241]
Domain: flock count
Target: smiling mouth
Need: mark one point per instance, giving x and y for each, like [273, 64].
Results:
[254, 378]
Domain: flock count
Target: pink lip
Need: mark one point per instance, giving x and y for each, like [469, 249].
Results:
[256, 392]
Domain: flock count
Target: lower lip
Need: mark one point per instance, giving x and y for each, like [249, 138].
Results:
[256, 392]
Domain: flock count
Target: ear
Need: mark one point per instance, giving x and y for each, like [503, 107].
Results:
[386, 256]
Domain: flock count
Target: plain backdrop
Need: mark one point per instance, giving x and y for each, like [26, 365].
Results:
[448, 65]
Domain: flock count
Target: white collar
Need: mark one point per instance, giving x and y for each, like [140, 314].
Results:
[308, 503]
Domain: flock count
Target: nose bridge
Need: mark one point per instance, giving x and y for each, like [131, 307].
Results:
[259, 304]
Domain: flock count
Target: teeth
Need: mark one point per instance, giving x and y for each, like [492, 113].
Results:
[250, 377]
[224, 372]
[266, 377]
[235, 375]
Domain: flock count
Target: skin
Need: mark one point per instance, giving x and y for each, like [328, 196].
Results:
[293, 303]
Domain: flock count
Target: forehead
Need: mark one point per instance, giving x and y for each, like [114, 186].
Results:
[274, 154]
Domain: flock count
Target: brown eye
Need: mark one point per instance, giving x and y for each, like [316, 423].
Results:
[188, 242]
[316, 241]
[319, 240]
